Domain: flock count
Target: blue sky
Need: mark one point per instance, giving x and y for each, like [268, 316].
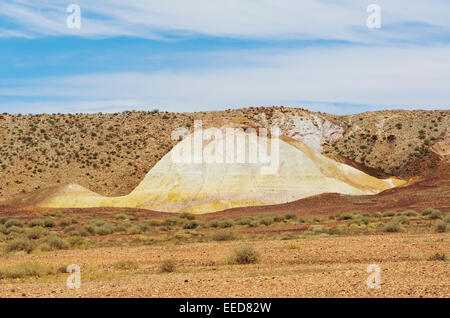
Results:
[211, 54]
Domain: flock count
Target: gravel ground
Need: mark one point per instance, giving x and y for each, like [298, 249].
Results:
[312, 267]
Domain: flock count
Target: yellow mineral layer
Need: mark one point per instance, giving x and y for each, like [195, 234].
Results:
[204, 187]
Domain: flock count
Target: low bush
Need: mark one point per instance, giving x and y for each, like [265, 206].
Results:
[167, 266]
[401, 219]
[15, 229]
[393, 227]
[438, 257]
[13, 222]
[447, 219]
[49, 223]
[20, 244]
[434, 215]
[441, 227]
[388, 214]
[76, 241]
[105, 229]
[126, 265]
[244, 220]
[187, 216]
[343, 216]
[190, 225]
[76, 230]
[268, 219]
[36, 233]
[410, 213]
[134, 229]
[224, 223]
[122, 217]
[244, 255]
[36, 222]
[430, 211]
[290, 216]
[55, 242]
[27, 269]
[223, 236]
[67, 221]
[173, 221]
[153, 222]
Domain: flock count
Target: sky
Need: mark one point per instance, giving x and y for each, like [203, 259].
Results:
[201, 55]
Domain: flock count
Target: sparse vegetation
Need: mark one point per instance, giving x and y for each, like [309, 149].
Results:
[28, 269]
[167, 266]
[223, 236]
[244, 255]
[393, 227]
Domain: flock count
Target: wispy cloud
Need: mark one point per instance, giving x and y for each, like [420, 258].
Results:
[288, 19]
[406, 78]
[206, 54]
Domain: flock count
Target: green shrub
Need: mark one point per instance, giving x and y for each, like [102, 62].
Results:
[357, 228]
[244, 220]
[143, 226]
[411, 213]
[44, 247]
[13, 222]
[290, 216]
[244, 255]
[67, 221]
[36, 233]
[223, 236]
[3, 229]
[393, 227]
[27, 269]
[190, 225]
[121, 216]
[343, 216]
[76, 241]
[388, 214]
[173, 221]
[134, 229]
[360, 219]
[447, 219]
[76, 230]
[430, 211]
[20, 244]
[434, 215]
[49, 223]
[167, 266]
[153, 222]
[187, 216]
[401, 219]
[96, 222]
[15, 229]
[56, 243]
[36, 222]
[441, 227]
[214, 223]
[266, 219]
[225, 223]
[105, 229]
[317, 229]
[53, 213]
[90, 229]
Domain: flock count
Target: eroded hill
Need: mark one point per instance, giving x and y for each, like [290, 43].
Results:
[111, 153]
